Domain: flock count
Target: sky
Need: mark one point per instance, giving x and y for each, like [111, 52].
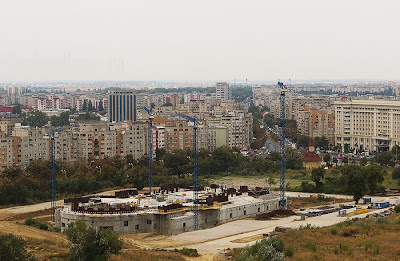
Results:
[199, 40]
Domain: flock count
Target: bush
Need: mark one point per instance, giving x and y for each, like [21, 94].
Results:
[29, 222]
[376, 250]
[265, 249]
[336, 251]
[334, 231]
[35, 223]
[14, 248]
[397, 208]
[311, 246]
[87, 244]
[289, 251]
[188, 252]
[344, 246]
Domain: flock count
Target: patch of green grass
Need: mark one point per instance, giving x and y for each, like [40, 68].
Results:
[311, 246]
[334, 231]
[289, 251]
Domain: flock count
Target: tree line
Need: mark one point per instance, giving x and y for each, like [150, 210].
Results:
[32, 184]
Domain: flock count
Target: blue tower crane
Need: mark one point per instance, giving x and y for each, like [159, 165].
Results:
[195, 170]
[53, 170]
[150, 146]
[282, 200]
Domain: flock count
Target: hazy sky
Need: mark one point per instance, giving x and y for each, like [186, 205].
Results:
[199, 40]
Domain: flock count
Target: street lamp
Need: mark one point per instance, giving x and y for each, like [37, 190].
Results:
[99, 167]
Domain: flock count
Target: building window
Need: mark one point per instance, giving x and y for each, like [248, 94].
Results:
[244, 212]
[137, 227]
[230, 215]
[149, 221]
[125, 223]
[258, 209]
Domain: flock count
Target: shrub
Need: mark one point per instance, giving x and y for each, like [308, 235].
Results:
[368, 245]
[336, 251]
[35, 223]
[397, 208]
[344, 246]
[188, 252]
[269, 253]
[88, 244]
[310, 246]
[14, 248]
[308, 226]
[334, 231]
[376, 250]
[289, 251]
[29, 222]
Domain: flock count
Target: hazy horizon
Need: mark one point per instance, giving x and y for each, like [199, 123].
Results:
[199, 41]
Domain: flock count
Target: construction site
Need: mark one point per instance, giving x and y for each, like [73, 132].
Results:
[171, 210]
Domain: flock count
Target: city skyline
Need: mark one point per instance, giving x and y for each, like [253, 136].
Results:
[198, 41]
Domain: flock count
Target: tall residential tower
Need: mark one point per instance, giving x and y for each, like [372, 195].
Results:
[223, 91]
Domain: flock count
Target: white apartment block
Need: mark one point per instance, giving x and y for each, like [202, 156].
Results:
[371, 125]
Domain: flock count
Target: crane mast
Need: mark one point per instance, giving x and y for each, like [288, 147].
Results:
[150, 147]
[282, 200]
[195, 170]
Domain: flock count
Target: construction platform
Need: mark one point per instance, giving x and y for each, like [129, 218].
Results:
[169, 211]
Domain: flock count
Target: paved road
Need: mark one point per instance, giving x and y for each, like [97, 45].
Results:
[41, 206]
[226, 233]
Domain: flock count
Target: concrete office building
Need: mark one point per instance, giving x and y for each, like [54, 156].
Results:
[121, 106]
[370, 125]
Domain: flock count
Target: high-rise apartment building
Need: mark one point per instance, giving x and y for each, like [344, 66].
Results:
[371, 125]
[121, 106]
[223, 91]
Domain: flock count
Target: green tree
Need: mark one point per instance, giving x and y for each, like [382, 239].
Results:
[374, 177]
[327, 157]
[396, 173]
[322, 142]
[271, 181]
[101, 108]
[88, 116]
[396, 152]
[87, 244]
[178, 162]
[34, 119]
[61, 120]
[363, 161]
[317, 175]
[14, 248]
[84, 105]
[90, 106]
[160, 152]
[16, 109]
[385, 158]
[353, 179]
[303, 141]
